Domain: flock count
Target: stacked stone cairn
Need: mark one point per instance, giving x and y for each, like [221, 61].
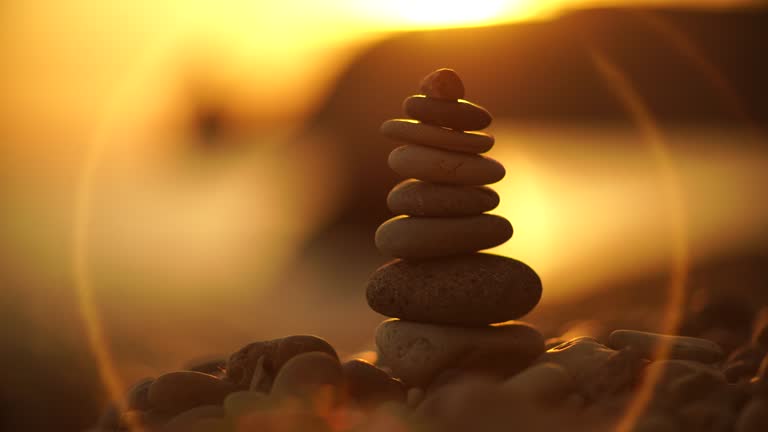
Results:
[445, 298]
[445, 362]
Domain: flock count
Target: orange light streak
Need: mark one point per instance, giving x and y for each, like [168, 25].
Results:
[673, 198]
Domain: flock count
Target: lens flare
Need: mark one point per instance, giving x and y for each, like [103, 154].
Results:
[672, 196]
[88, 309]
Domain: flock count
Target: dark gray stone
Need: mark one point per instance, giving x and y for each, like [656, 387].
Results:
[471, 289]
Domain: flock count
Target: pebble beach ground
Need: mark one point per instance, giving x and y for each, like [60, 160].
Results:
[451, 357]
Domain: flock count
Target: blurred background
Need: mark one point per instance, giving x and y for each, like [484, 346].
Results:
[194, 176]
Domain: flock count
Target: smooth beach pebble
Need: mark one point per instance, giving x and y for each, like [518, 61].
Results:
[415, 132]
[306, 375]
[472, 289]
[242, 364]
[443, 166]
[180, 391]
[417, 352]
[369, 386]
[680, 347]
[459, 115]
[423, 237]
[442, 84]
[543, 383]
[417, 198]
[580, 356]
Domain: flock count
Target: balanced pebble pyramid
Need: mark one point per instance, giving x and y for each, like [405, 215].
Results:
[443, 295]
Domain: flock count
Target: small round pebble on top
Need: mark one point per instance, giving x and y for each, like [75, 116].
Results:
[442, 84]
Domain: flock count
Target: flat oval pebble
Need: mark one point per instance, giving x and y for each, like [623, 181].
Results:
[680, 348]
[417, 352]
[413, 237]
[416, 132]
[443, 166]
[473, 289]
[443, 83]
[418, 198]
[458, 114]
[271, 355]
[369, 386]
[180, 391]
[305, 375]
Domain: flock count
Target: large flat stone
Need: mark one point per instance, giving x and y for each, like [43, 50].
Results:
[417, 352]
[472, 289]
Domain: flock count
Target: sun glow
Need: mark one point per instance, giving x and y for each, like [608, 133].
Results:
[443, 12]
[449, 13]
